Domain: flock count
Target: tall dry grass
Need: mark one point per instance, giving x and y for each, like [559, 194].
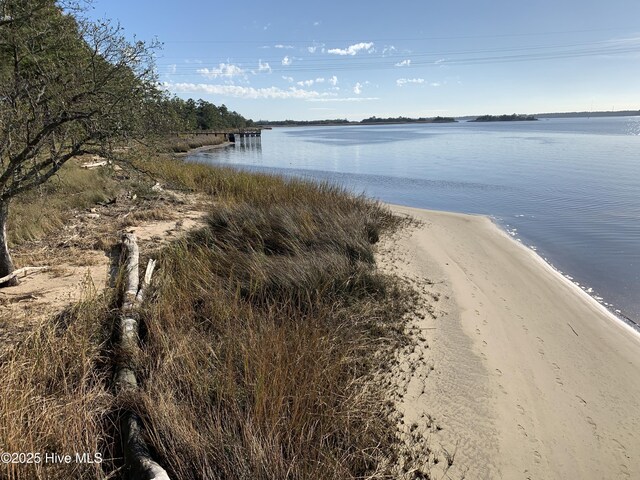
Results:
[54, 394]
[264, 334]
[184, 143]
[46, 209]
[260, 340]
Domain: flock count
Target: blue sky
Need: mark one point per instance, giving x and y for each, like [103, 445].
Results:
[352, 59]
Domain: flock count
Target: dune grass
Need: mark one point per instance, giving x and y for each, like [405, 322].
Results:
[262, 341]
[261, 337]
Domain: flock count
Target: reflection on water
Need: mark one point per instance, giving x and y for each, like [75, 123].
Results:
[569, 187]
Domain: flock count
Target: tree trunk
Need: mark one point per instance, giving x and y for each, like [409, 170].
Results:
[6, 264]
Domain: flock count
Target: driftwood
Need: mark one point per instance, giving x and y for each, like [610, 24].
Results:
[138, 460]
[20, 271]
[94, 164]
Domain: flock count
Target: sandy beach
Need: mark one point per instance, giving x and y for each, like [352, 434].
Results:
[526, 376]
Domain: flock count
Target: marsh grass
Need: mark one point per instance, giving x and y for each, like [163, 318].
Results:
[54, 394]
[184, 143]
[261, 337]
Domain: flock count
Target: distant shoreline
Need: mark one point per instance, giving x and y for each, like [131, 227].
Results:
[335, 123]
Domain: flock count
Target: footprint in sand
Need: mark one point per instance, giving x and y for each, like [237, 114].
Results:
[624, 471]
[520, 409]
[593, 425]
[524, 327]
[498, 371]
[521, 428]
[536, 456]
[621, 447]
[477, 331]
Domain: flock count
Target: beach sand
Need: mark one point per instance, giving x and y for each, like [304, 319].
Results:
[523, 375]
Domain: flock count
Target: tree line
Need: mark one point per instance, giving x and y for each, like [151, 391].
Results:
[340, 121]
[189, 115]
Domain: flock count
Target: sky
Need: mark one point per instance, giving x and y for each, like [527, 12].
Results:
[353, 59]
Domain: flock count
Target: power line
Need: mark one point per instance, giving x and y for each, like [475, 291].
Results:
[372, 62]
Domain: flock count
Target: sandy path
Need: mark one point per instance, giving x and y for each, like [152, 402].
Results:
[44, 293]
[532, 379]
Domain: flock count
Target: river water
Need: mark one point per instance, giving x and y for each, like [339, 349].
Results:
[569, 188]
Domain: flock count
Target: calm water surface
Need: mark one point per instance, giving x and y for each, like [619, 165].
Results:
[568, 188]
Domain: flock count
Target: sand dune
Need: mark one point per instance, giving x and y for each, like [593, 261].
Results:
[527, 376]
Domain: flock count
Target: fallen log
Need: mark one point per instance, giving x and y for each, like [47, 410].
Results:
[20, 271]
[94, 164]
[138, 461]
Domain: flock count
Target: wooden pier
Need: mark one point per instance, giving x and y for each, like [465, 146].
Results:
[230, 135]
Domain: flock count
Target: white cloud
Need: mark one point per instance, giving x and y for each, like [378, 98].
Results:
[333, 80]
[357, 89]
[315, 24]
[308, 83]
[224, 70]
[404, 63]
[435, 84]
[288, 79]
[173, 68]
[439, 61]
[404, 81]
[264, 67]
[388, 49]
[316, 47]
[352, 49]
[283, 47]
[287, 61]
[192, 60]
[244, 92]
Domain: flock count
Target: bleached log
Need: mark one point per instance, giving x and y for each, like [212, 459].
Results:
[94, 164]
[131, 270]
[146, 280]
[140, 465]
[136, 452]
[20, 271]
